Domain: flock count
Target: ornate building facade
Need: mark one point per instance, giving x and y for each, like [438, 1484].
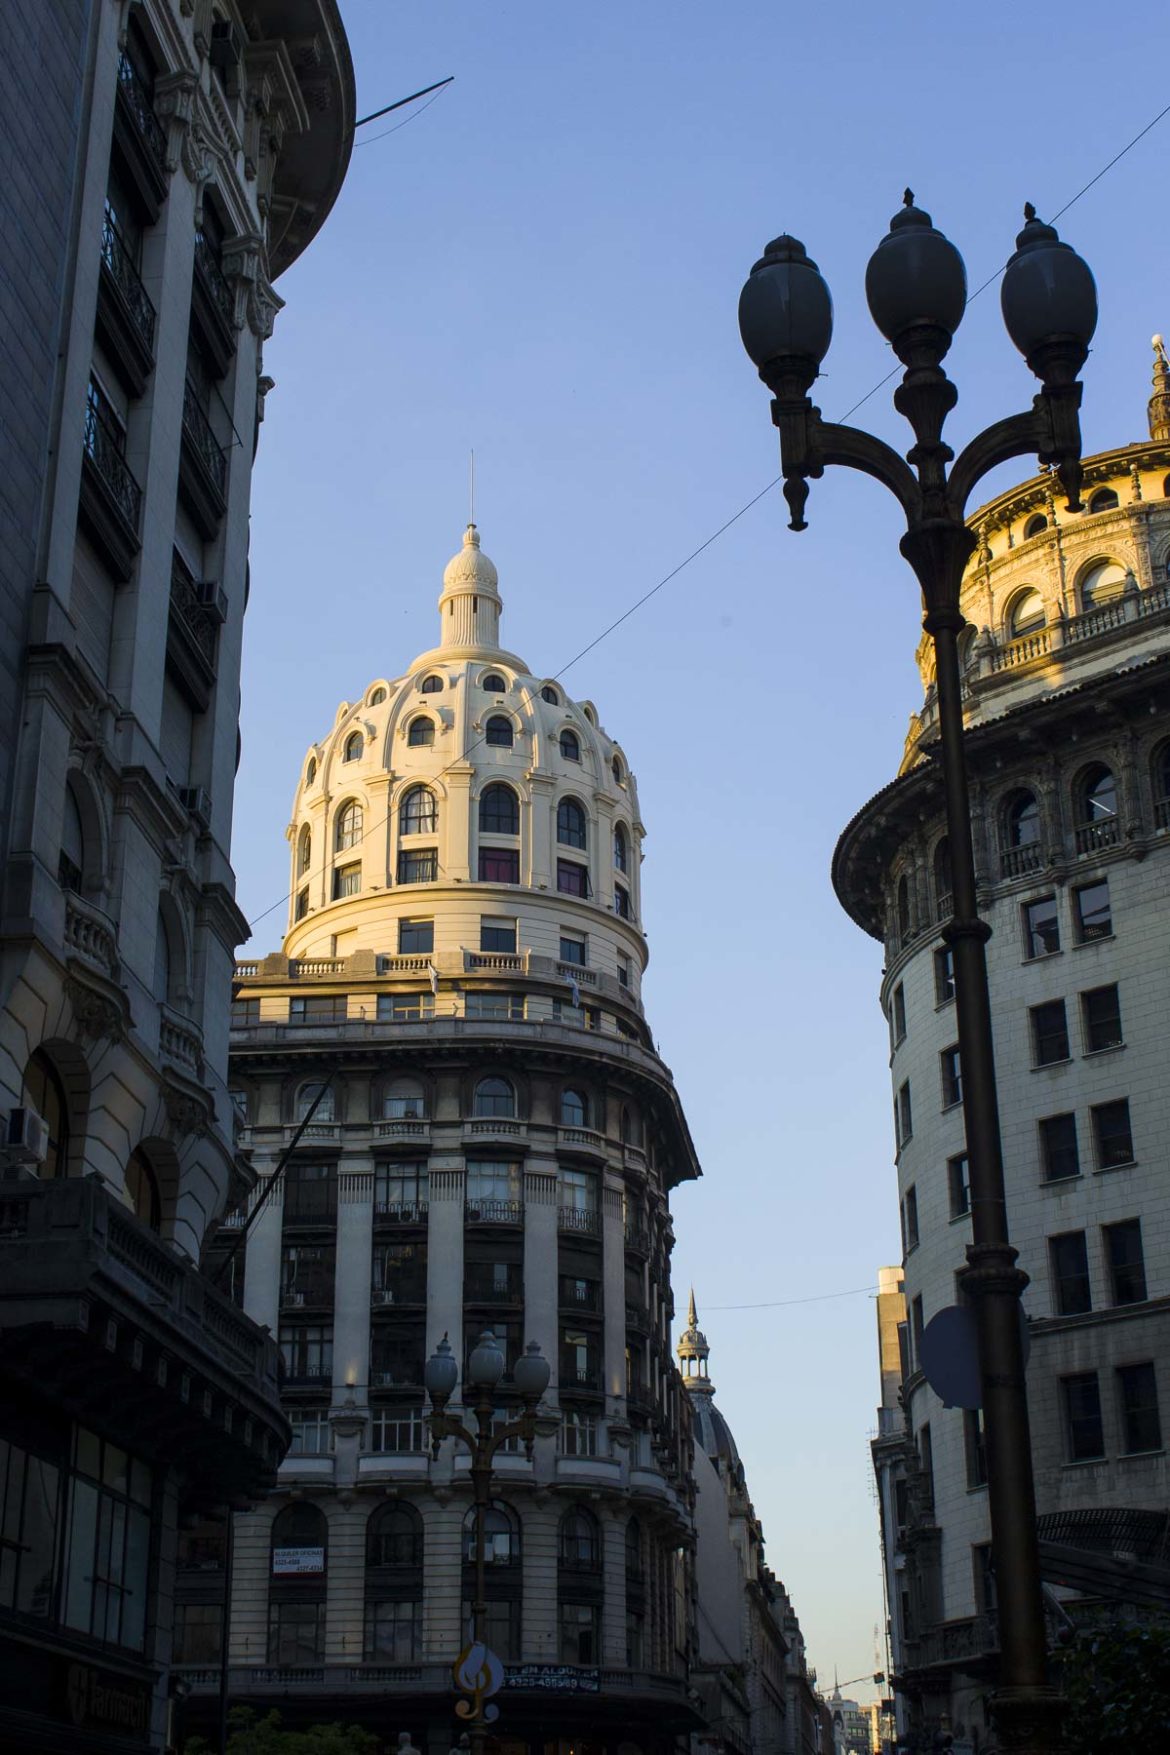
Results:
[1067, 705]
[166, 160]
[495, 1145]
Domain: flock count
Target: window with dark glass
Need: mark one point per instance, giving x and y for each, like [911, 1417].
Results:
[497, 933]
[306, 1351]
[30, 1504]
[903, 1114]
[400, 1190]
[318, 1008]
[307, 1274]
[422, 733]
[975, 1447]
[573, 948]
[944, 975]
[499, 811]
[983, 1567]
[579, 1545]
[1125, 1260]
[393, 1628]
[1041, 927]
[296, 1632]
[107, 1543]
[910, 1208]
[431, 685]
[580, 1359]
[198, 1633]
[621, 901]
[621, 848]
[550, 695]
[917, 1330]
[405, 1008]
[418, 865]
[1049, 1033]
[1112, 1136]
[1069, 1261]
[310, 1195]
[1096, 804]
[570, 746]
[416, 937]
[571, 824]
[1101, 1014]
[623, 971]
[494, 1097]
[898, 1014]
[496, 1008]
[951, 1074]
[1137, 1394]
[1059, 1153]
[245, 1011]
[494, 684]
[1091, 911]
[574, 1109]
[959, 1185]
[499, 732]
[1084, 1431]
[349, 826]
[302, 903]
[572, 879]
[499, 865]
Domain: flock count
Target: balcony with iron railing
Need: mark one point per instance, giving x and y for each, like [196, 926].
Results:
[213, 304]
[140, 136]
[111, 499]
[573, 1376]
[400, 1212]
[203, 465]
[494, 1212]
[586, 1221]
[125, 314]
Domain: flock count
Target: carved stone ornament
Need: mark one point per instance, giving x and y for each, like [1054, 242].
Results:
[186, 1114]
[174, 105]
[257, 303]
[98, 1015]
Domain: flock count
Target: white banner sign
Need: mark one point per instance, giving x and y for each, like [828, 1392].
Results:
[288, 1561]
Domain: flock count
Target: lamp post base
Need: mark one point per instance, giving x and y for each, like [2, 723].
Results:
[1029, 1721]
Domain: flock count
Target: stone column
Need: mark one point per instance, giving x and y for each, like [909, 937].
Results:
[455, 833]
[540, 1265]
[442, 1576]
[614, 1286]
[345, 1582]
[351, 1297]
[262, 1260]
[539, 832]
[250, 1580]
[540, 1631]
[445, 1260]
[613, 1614]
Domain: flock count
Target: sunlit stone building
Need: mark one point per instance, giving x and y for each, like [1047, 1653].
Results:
[164, 162]
[1067, 705]
[497, 1144]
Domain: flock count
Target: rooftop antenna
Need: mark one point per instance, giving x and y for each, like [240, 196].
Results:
[471, 489]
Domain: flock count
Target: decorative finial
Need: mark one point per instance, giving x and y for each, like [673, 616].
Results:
[907, 198]
[692, 1315]
[1159, 345]
[1029, 211]
[1159, 403]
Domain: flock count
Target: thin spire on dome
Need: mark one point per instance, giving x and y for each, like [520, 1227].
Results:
[693, 1351]
[692, 1314]
[1159, 405]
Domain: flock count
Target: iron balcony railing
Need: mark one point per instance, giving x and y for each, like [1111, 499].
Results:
[138, 101]
[494, 1212]
[579, 1297]
[580, 1377]
[207, 447]
[103, 447]
[400, 1212]
[200, 622]
[123, 271]
[584, 1219]
[489, 1292]
[215, 283]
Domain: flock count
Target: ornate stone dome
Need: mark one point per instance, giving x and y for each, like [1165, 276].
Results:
[711, 1430]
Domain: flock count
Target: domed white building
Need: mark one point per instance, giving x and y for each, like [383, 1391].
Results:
[496, 1146]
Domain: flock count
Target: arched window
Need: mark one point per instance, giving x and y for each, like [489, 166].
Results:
[903, 909]
[71, 861]
[494, 685]
[621, 848]
[404, 1100]
[1104, 500]
[377, 696]
[299, 1552]
[44, 1092]
[418, 813]
[1161, 776]
[354, 744]
[325, 1110]
[571, 828]
[311, 771]
[1102, 584]
[1095, 809]
[1026, 615]
[142, 1187]
[1022, 820]
[631, 1127]
[1036, 523]
[494, 1097]
[162, 960]
[299, 1525]
[432, 685]
[967, 641]
[570, 746]
[942, 877]
[617, 770]
[554, 700]
[1166, 488]
[579, 1546]
[499, 732]
[501, 1528]
[421, 734]
[350, 826]
[394, 1536]
[499, 811]
[574, 1109]
[590, 715]
[304, 850]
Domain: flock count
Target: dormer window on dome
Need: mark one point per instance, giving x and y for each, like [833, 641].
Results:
[570, 746]
[1036, 524]
[431, 685]
[550, 695]
[422, 733]
[494, 684]
[499, 732]
[354, 744]
[499, 811]
[1104, 500]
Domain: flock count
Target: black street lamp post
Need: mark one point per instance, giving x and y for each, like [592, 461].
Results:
[484, 1371]
[916, 286]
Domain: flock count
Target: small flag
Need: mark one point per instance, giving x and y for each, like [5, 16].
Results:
[574, 990]
[434, 975]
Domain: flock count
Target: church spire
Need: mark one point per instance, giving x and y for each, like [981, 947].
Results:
[1159, 405]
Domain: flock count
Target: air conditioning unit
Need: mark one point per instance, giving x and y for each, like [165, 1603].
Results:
[26, 1137]
[197, 800]
[227, 44]
[212, 596]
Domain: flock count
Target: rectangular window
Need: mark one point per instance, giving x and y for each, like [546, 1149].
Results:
[578, 1434]
[579, 1633]
[245, 1011]
[910, 1209]
[418, 865]
[1069, 1261]
[975, 1447]
[497, 934]
[306, 1352]
[1059, 1154]
[572, 879]
[395, 1428]
[311, 1435]
[28, 1529]
[623, 969]
[499, 1008]
[1049, 1033]
[580, 1359]
[576, 1190]
[492, 1181]
[416, 937]
[903, 1115]
[501, 1627]
[1112, 1139]
[1126, 1261]
[1137, 1394]
[1084, 1432]
[318, 1008]
[296, 1632]
[1041, 927]
[393, 1632]
[405, 1008]
[898, 1014]
[400, 1191]
[983, 1567]
[499, 865]
[621, 901]
[302, 903]
[198, 1631]
[1091, 911]
[107, 1543]
[917, 1329]
[579, 1017]
[959, 1185]
[573, 948]
[347, 881]
[1101, 1013]
[951, 1071]
[944, 975]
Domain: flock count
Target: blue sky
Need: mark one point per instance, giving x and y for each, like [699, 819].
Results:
[545, 266]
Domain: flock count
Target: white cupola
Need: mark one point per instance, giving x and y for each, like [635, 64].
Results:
[469, 603]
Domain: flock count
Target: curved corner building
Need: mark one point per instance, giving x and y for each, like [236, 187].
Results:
[1067, 705]
[463, 967]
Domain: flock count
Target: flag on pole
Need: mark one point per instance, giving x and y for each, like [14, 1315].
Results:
[434, 975]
